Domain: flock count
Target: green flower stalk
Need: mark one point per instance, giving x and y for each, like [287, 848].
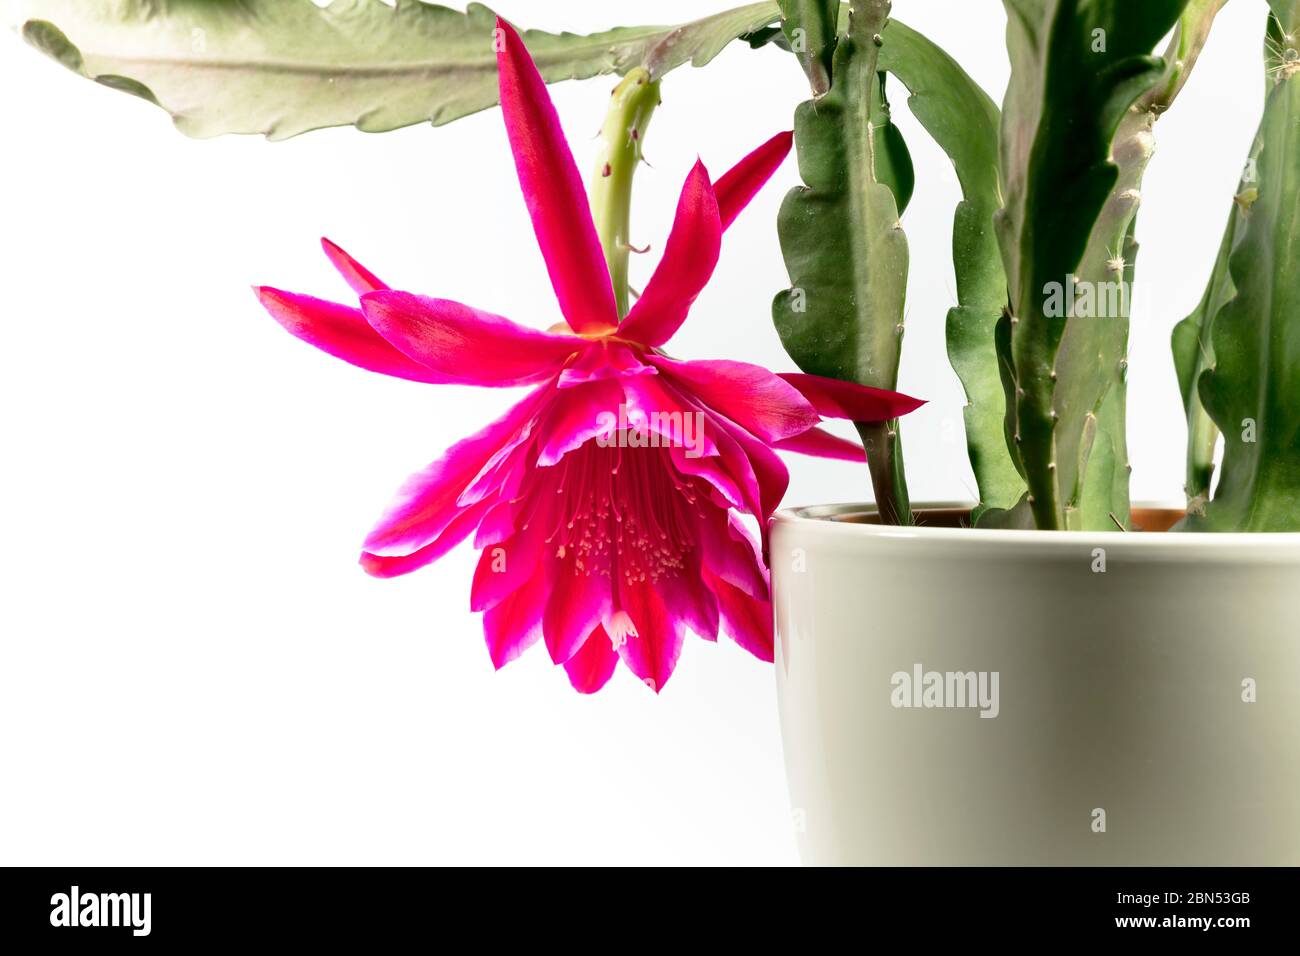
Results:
[631, 106]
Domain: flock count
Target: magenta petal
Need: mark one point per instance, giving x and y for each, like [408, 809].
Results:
[343, 332]
[729, 553]
[652, 652]
[462, 344]
[361, 279]
[734, 491]
[691, 601]
[820, 443]
[665, 412]
[504, 568]
[756, 399]
[591, 667]
[773, 477]
[577, 603]
[747, 620]
[503, 474]
[498, 524]
[732, 474]
[746, 178]
[835, 398]
[427, 502]
[603, 360]
[495, 579]
[553, 190]
[457, 530]
[747, 454]
[688, 262]
[582, 413]
[515, 624]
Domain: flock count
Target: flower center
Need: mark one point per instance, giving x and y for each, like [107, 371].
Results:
[626, 513]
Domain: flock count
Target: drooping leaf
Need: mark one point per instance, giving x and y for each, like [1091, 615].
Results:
[283, 67]
[1252, 392]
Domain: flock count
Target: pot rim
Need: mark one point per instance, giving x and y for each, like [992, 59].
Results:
[818, 520]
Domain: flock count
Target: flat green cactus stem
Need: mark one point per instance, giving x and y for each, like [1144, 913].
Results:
[1073, 149]
[844, 246]
[1252, 391]
[1193, 345]
[1111, 258]
[963, 121]
[811, 29]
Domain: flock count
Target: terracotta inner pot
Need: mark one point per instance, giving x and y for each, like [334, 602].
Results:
[1143, 519]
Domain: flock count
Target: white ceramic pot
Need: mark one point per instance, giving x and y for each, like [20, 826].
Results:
[1083, 698]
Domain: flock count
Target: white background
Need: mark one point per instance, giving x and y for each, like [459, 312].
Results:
[194, 670]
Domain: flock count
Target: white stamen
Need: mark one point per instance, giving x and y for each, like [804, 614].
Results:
[619, 629]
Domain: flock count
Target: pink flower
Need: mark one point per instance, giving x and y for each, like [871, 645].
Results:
[607, 503]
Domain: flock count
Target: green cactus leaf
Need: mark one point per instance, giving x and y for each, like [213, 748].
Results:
[963, 121]
[1104, 501]
[893, 158]
[811, 28]
[1193, 338]
[1102, 467]
[844, 246]
[1189, 40]
[283, 67]
[1252, 392]
[1078, 66]
[1193, 348]
[1108, 262]
[1286, 13]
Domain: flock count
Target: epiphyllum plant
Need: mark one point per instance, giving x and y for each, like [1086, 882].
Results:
[604, 539]
[1052, 185]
